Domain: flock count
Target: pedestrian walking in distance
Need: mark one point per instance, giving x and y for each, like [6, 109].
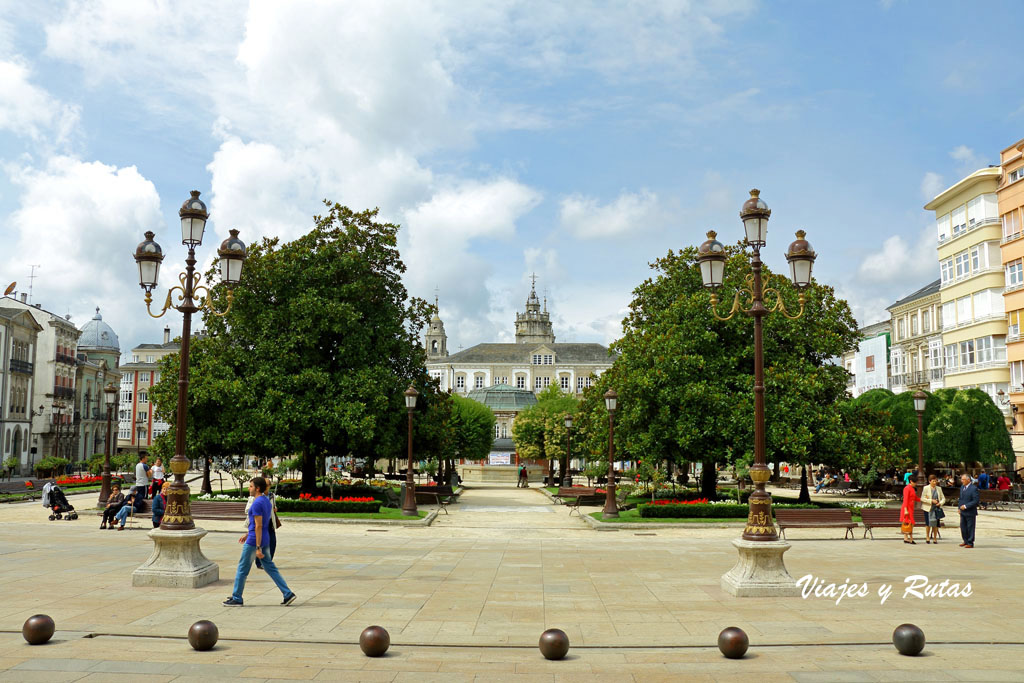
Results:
[968, 511]
[256, 544]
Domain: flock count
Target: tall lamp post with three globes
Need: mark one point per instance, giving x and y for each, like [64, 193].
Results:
[760, 571]
[177, 559]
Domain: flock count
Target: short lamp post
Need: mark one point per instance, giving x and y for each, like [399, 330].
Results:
[920, 402]
[610, 509]
[183, 563]
[109, 399]
[409, 504]
[566, 479]
[760, 527]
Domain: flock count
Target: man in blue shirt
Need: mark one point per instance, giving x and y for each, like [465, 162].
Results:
[983, 480]
[253, 544]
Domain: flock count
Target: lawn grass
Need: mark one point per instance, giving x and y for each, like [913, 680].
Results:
[385, 513]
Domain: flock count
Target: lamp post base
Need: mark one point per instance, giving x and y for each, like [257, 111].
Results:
[176, 562]
[760, 572]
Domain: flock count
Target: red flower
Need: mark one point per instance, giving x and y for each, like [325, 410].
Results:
[28, 484]
[665, 501]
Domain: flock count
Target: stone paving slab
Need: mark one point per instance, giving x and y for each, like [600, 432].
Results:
[453, 593]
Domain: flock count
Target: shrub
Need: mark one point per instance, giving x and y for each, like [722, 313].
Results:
[292, 505]
[11, 463]
[49, 465]
[728, 510]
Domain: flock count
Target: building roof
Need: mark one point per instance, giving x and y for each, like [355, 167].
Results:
[12, 313]
[494, 353]
[503, 445]
[989, 173]
[930, 288]
[502, 397]
[172, 345]
[96, 334]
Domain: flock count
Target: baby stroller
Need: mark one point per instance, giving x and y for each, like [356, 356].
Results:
[58, 503]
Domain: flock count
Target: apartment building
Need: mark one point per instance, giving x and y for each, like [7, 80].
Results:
[137, 423]
[971, 285]
[1011, 213]
[868, 366]
[916, 354]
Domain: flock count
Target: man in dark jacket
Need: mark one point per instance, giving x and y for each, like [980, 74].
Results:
[968, 510]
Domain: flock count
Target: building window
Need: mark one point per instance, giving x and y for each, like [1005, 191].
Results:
[143, 397]
[520, 381]
[565, 383]
[950, 352]
[143, 416]
[869, 364]
[1013, 326]
[460, 381]
[976, 251]
[1011, 226]
[547, 382]
[963, 310]
[962, 264]
[913, 324]
[967, 352]
[942, 228]
[946, 268]
[926, 322]
[1017, 174]
[497, 430]
[959, 219]
[537, 358]
[143, 376]
[549, 360]
[536, 382]
[1016, 375]
[1015, 273]
[478, 382]
[984, 349]
[901, 329]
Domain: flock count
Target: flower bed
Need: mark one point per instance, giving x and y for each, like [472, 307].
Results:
[712, 509]
[355, 490]
[87, 480]
[346, 499]
[371, 506]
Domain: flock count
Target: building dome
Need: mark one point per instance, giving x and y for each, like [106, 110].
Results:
[503, 398]
[98, 335]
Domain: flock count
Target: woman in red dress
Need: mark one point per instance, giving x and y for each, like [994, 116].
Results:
[907, 509]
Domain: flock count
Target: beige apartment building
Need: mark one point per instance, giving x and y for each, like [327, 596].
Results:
[138, 425]
[972, 281]
[916, 354]
[1011, 213]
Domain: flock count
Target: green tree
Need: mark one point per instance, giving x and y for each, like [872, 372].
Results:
[969, 428]
[685, 379]
[323, 340]
[472, 426]
[539, 431]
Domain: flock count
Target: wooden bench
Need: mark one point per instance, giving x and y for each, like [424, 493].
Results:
[889, 517]
[822, 518]
[585, 499]
[565, 492]
[441, 496]
[997, 498]
[211, 509]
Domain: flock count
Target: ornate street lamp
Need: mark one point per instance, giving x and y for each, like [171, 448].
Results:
[109, 399]
[58, 407]
[610, 509]
[193, 297]
[409, 504]
[566, 479]
[920, 402]
[760, 527]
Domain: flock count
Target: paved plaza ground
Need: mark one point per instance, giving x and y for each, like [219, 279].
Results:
[467, 598]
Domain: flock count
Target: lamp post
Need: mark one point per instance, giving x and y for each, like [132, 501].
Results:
[194, 297]
[760, 527]
[566, 479]
[58, 406]
[409, 504]
[610, 509]
[109, 398]
[920, 401]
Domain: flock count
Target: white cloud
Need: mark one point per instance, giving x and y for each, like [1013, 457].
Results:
[28, 110]
[80, 222]
[630, 212]
[931, 185]
[967, 159]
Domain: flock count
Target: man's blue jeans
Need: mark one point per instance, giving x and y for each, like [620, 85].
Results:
[122, 514]
[245, 564]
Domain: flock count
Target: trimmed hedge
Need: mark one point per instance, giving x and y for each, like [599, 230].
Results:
[293, 505]
[729, 510]
[361, 490]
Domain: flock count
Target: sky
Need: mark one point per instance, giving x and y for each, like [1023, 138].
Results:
[578, 141]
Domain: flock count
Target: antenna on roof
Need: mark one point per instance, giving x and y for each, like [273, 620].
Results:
[31, 279]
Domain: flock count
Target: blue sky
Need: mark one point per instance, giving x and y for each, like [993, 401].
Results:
[579, 141]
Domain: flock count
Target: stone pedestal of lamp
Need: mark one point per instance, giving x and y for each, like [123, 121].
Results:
[760, 571]
[177, 560]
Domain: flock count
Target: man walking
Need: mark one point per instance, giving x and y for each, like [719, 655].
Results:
[254, 543]
[968, 511]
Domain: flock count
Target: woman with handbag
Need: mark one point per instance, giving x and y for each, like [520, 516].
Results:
[907, 509]
[932, 500]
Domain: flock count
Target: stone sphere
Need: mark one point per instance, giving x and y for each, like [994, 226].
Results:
[554, 644]
[374, 641]
[733, 642]
[908, 639]
[203, 635]
[38, 629]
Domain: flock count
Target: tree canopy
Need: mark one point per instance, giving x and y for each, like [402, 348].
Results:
[539, 431]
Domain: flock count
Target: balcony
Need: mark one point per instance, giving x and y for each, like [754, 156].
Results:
[21, 366]
[973, 226]
[63, 392]
[972, 367]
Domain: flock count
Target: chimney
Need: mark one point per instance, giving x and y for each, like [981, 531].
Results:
[167, 335]
[24, 297]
